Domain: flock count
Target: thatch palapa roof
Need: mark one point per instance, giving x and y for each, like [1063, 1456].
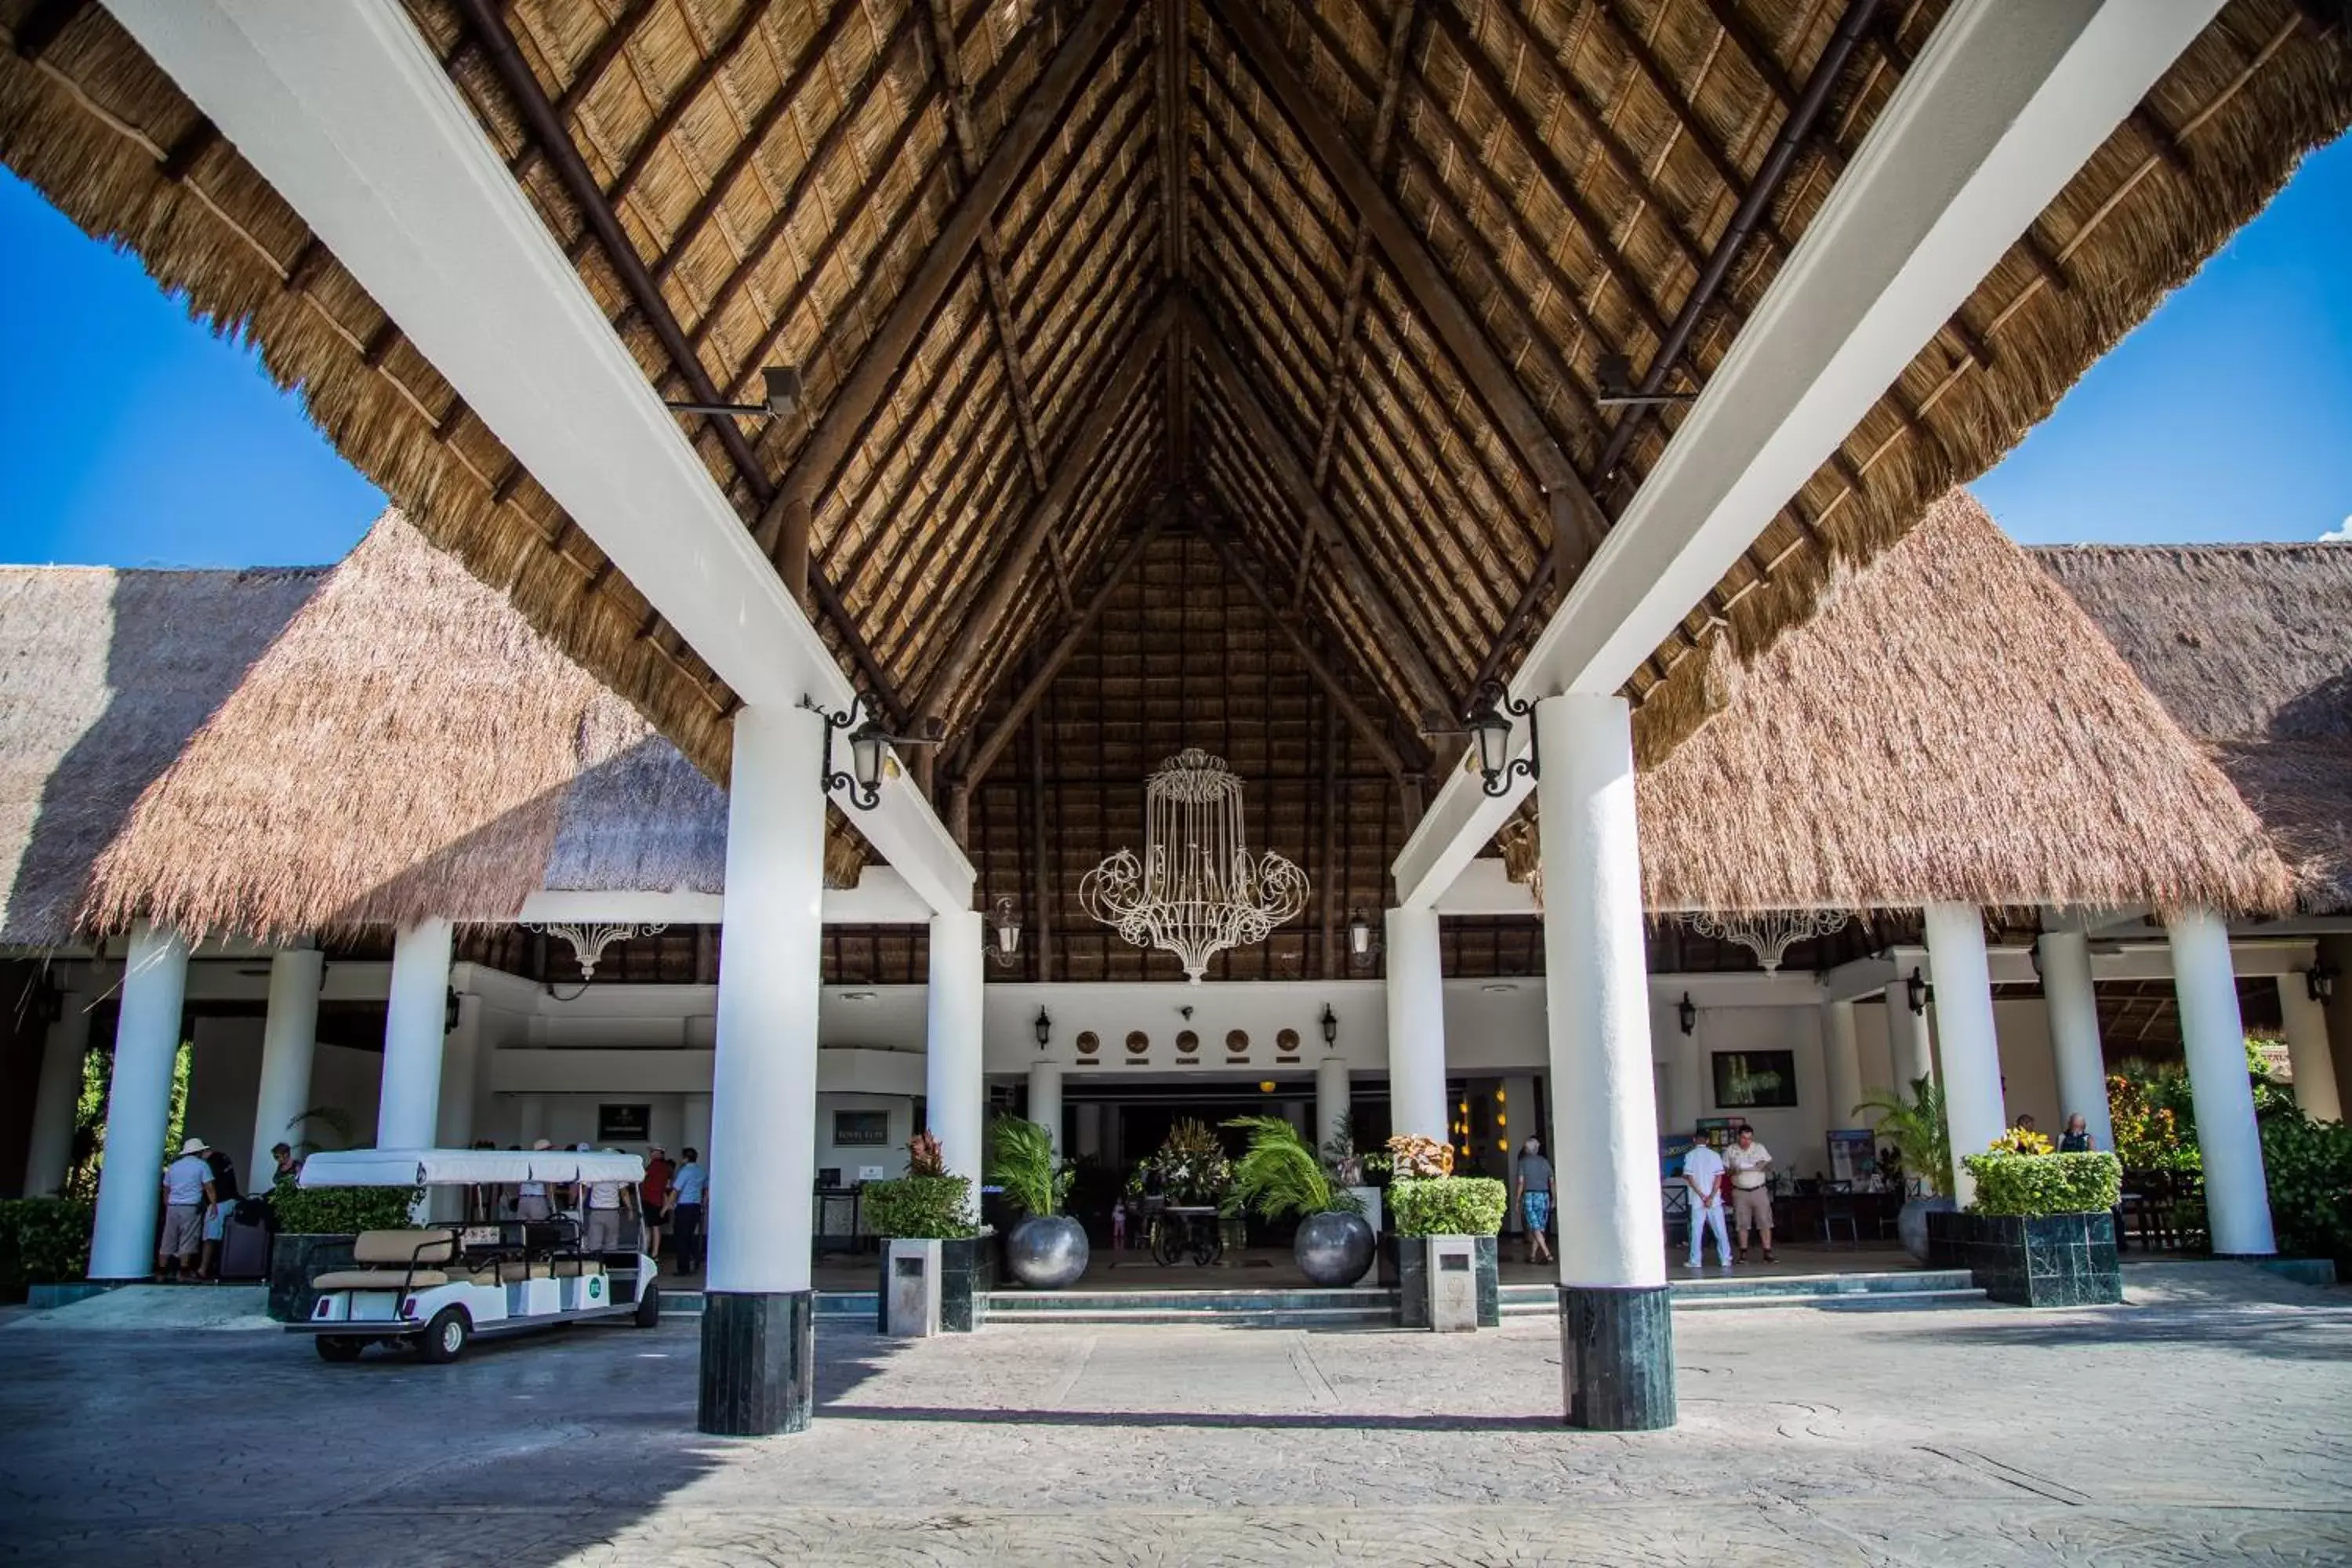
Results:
[1043, 264]
[2250, 649]
[1951, 726]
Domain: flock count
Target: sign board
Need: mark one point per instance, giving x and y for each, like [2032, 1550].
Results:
[623, 1123]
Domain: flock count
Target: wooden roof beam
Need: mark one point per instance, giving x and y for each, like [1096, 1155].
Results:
[785, 521]
[1416, 266]
[1175, 132]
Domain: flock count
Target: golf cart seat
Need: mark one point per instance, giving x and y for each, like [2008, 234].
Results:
[388, 1258]
[378, 1280]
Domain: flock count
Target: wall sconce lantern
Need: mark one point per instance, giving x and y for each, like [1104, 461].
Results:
[1915, 991]
[1689, 1013]
[1359, 939]
[1044, 1029]
[1006, 924]
[1331, 1022]
[1492, 709]
[2319, 981]
[450, 1011]
[869, 743]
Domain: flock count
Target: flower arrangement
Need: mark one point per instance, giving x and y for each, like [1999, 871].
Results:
[1192, 1167]
[1416, 1158]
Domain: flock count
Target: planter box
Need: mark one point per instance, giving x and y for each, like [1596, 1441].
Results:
[2042, 1260]
[293, 1260]
[1405, 1260]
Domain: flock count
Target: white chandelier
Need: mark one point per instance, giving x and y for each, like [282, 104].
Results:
[1770, 935]
[1196, 891]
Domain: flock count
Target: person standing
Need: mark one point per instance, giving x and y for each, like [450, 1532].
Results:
[602, 1205]
[533, 1202]
[221, 1200]
[187, 1192]
[288, 1167]
[2077, 1138]
[1535, 1199]
[1751, 1164]
[688, 1186]
[653, 1197]
[1703, 1171]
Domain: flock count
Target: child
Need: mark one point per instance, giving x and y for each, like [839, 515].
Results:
[1118, 1225]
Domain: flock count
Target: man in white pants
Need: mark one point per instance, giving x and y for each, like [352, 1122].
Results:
[1702, 1174]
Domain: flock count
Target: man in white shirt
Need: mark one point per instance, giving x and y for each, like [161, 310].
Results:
[187, 1192]
[1751, 1164]
[1702, 1174]
[605, 1202]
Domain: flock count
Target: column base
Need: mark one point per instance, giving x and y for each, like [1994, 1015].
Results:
[1617, 1357]
[759, 1364]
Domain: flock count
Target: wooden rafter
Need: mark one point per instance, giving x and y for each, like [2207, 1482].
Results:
[1175, 133]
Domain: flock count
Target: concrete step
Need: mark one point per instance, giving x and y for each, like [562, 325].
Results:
[831, 1305]
[1907, 1287]
[1225, 1317]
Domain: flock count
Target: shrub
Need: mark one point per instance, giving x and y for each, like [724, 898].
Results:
[2308, 1167]
[2010, 1184]
[920, 1207]
[1448, 1206]
[1278, 1175]
[43, 1241]
[340, 1211]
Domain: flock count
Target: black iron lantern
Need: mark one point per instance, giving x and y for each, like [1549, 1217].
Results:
[1492, 709]
[2319, 981]
[1044, 1029]
[1359, 934]
[1330, 1025]
[1007, 926]
[1689, 1013]
[450, 1010]
[1915, 991]
[869, 743]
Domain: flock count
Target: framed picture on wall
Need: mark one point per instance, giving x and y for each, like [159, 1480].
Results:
[1746, 1079]
[623, 1123]
[861, 1129]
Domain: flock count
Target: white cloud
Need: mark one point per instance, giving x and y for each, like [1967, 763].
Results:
[2338, 536]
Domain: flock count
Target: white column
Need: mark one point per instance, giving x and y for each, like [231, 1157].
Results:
[1841, 1064]
[1597, 997]
[1909, 1054]
[289, 1040]
[461, 1062]
[2074, 1048]
[2213, 1037]
[1089, 1115]
[139, 1105]
[1416, 993]
[1045, 1098]
[694, 1115]
[1973, 1111]
[1332, 1099]
[2316, 1089]
[762, 1153]
[408, 1110]
[50, 1148]
[953, 1089]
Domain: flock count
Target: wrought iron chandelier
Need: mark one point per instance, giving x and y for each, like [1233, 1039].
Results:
[1770, 935]
[1196, 891]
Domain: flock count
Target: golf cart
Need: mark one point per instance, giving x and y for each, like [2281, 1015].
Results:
[436, 1286]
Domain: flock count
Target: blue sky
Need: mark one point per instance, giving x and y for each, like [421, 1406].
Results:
[131, 436]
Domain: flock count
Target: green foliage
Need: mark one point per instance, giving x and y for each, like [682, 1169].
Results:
[1278, 1176]
[2009, 1183]
[924, 1208]
[2146, 1106]
[1448, 1206]
[1192, 1165]
[2308, 1165]
[43, 1241]
[1021, 1161]
[1916, 1127]
[90, 1118]
[340, 1211]
[175, 1120]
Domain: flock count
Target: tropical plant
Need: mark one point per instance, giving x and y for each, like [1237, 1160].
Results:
[2150, 1133]
[340, 1211]
[1916, 1127]
[924, 1156]
[2022, 1141]
[1022, 1163]
[1416, 1158]
[925, 1207]
[1278, 1176]
[1448, 1206]
[43, 1241]
[1192, 1166]
[89, 1156]
[2307, 1166]
[2008, 1182]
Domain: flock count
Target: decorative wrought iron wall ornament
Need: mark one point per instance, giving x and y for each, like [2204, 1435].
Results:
[1195, 890]
[589, 942]
[1770, 935]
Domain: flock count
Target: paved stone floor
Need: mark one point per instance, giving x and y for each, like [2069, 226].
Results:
[2210, 1421]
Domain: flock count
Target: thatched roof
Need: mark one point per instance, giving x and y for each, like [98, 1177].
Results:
[1139, 269]
[2250, 649]
[1950, 726]
[407, 746]
[103, 677]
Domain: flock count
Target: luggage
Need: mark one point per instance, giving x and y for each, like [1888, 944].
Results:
[245, 1243]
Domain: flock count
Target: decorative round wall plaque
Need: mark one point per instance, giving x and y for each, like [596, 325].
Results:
[1237, 1040]
[1287, 1040]
[1089, 1043]
[1188, 1042]
[1138, 1042]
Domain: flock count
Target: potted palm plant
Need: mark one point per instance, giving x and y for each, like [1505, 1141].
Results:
[1278, 1176]
[1046, 1250]
[1915, 1126]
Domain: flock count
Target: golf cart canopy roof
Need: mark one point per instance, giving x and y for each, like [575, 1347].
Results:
[465, 1167]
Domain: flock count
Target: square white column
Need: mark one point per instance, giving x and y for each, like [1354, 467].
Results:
[1416, 993]
[954, 1090]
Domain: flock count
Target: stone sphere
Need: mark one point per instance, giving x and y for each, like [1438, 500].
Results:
[1046, 1252]
[1333, 1250]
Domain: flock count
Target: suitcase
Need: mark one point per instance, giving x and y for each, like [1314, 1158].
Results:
[244, 1248]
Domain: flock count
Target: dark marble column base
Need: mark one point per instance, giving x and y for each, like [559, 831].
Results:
[1617, 1357]
[759, 1364]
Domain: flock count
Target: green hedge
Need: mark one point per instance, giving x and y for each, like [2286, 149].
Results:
[43, 1241]
[2307, 1165]
[340, 1211]
[919, 1207]
[2045, 1184]
[1448, 1206]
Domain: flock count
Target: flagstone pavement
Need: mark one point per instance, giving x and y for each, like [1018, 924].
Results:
[2210, 1420]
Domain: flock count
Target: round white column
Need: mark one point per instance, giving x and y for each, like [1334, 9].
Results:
[1973, 1110]
[1840, 1063]
[2214, 1038]
[408, 1110]
[1332, 1099]
[1416, 994]
[1088, 1116]
[2316, 1089]
[139, 1105]
[1045, 1100]
[50, 1148]
[2074, 1048]
[289, 1041]
[954, 1091]
[1910, 1055]
[461, 1066]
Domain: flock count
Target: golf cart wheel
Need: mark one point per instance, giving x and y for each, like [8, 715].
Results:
[339, 1347]
[445, 1336]
[649, 1306]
